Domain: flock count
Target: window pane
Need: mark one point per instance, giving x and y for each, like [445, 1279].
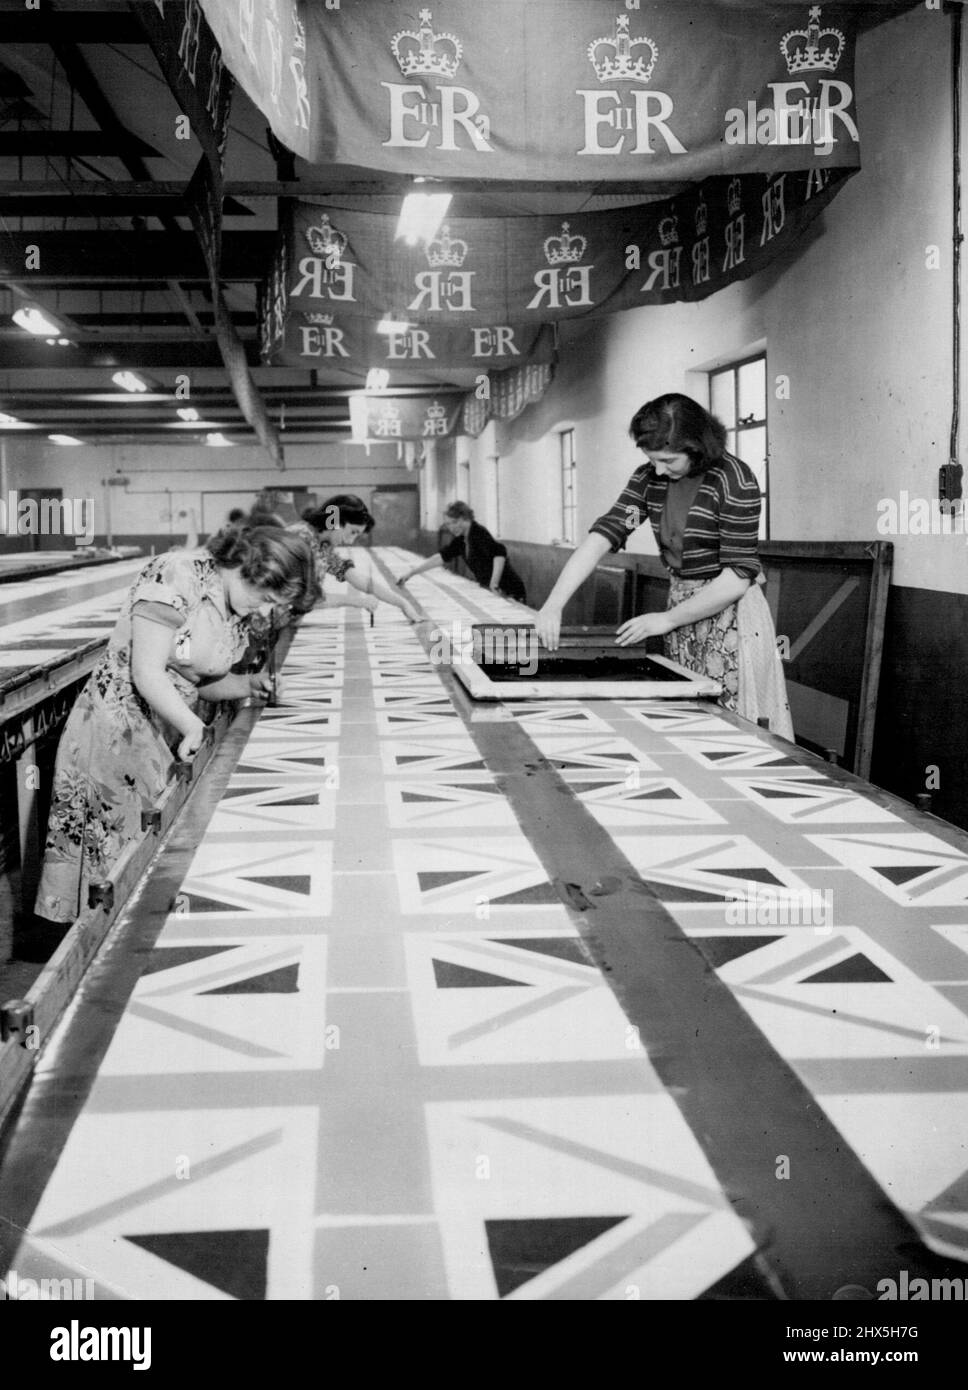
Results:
[752, 450]
[722, 400]
[752, 390]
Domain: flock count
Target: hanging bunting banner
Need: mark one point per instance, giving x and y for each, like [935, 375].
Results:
[521, 270]
[294, 334]
[191, 60]
[508, 393]
[328, 339]
[542, 90]
[411, 417]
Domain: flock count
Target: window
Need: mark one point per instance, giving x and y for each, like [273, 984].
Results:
[737, 396]
[569, 504]
[495, 501]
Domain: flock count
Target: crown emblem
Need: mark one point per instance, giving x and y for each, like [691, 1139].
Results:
[324, 319]
[435, 419]
[812, 49]
[424, 52]
[734, 197]
[614, 59]
[386, 419]
[702, 217]
[669, 230]
[565, 249]
[326, 241]
[446, 250]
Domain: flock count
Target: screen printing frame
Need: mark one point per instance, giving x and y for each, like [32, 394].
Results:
[517, 641]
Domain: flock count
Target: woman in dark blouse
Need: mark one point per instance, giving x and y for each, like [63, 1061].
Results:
[484, 556]
[704, 508]
[342, 520]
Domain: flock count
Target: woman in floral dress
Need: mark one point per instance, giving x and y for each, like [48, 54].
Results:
[704, 508]
[341, 520]
[182, 627]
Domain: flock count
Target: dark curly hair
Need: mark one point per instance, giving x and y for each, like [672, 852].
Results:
[345, 509]
[459, 511]
[681, 425]
[270, 558]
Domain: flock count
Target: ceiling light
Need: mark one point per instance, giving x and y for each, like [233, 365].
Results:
[11, 422]
[64, 439]
[129, 381]
[390, 325]
[187, 412]
[37, 321]
[377, 379]
[218, 441]
[358, 417]
[421, 216]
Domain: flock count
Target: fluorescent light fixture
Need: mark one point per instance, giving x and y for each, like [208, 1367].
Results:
[358, 417]
[129, 381]
[64, 439]
[218, 441]
[391, 325]
[11, 422]
[37, 321]
[377, 379]
[187, 412]
[421, 216]
[63, 342]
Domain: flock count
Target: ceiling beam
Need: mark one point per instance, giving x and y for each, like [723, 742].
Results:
[293, 397]
[34, 354]
[28, 144]
[98, 258]
[339, 183]
[71, 26]
[84, 205]
[144, 322]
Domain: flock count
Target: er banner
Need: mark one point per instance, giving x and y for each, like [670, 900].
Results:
[661, 90]
[480, 272]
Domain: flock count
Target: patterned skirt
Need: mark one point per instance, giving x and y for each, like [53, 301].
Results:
[737, 648]
[114, 760]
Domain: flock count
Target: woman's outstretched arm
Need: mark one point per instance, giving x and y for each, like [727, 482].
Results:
[719, 593]
[580, 565]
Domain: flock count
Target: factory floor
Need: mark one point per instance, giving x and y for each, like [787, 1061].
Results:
[544, 1001]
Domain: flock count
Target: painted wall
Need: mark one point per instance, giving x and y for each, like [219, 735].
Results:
[857, 321]
[167, 482]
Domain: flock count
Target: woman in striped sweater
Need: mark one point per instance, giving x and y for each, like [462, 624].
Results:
[704, 508]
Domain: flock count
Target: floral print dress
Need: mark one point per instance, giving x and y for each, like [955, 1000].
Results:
[736, 647]
[116, 755]
[324, 555]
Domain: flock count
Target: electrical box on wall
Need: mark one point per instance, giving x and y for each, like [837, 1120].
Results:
[949, 485]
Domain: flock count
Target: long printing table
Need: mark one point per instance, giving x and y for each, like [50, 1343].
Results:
[576, 999]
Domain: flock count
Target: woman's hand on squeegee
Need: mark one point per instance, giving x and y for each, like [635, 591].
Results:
[638, 629]
[548, 627]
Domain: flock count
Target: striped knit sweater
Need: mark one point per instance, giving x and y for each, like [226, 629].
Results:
[721, 529]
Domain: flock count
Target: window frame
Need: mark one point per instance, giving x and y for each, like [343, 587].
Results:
[568, 463]
[737, 430]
